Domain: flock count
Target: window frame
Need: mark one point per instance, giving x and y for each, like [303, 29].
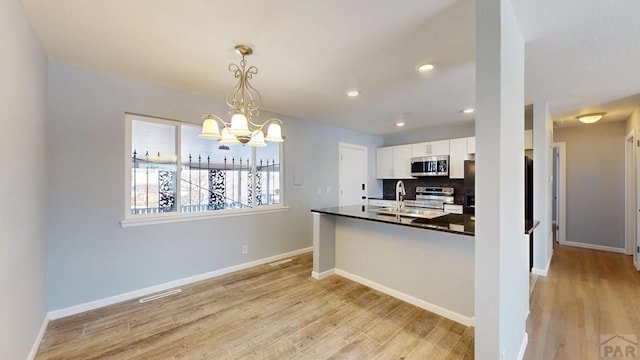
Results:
[178, 216]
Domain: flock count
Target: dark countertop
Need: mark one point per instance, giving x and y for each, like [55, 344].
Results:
[530, 225]
[451, 223]
[461, 224]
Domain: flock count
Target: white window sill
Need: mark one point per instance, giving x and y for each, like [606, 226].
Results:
[143, 220]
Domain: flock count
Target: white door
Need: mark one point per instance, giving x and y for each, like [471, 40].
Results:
[353, 174]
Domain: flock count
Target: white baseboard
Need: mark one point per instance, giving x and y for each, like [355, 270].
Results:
[595, 247]
[545, 271]
[38, 340]
[465, 320]
[76, 309]
[523, 346]
[322, 275]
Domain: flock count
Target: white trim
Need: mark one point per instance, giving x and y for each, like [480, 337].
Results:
[36, 343]
[342, 145]
[459, 318]
[76, 309]
[322, 275]
[596, 247]
[523, 346]
[206, 215]
[545, 271]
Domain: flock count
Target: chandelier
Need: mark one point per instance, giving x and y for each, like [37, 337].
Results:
[244, 103]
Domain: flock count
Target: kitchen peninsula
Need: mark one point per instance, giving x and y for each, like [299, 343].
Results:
[426, 262]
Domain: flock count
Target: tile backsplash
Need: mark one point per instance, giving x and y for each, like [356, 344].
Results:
[389, 187]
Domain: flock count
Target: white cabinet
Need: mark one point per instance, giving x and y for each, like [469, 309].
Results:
[528, 139]
[471, 145]
[393, 162]
[432, 148]
[458, 153]
[384, 163]
[402, 162]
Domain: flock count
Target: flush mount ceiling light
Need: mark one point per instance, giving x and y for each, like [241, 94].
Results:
[425, 67]
[353, 93]
[244, 103]
[468, 111]
[400, 124]
[590, 118]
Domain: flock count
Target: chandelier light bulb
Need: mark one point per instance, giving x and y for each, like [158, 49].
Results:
[244, 103]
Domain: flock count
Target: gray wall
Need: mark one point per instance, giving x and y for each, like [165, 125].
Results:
[595, 183]
[90, 257]
[23, 72]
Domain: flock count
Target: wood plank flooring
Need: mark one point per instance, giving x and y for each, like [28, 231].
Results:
[587, 293]
[266, 312]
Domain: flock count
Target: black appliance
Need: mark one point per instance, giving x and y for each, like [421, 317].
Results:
[528, 202]
[430, 166]
[469, 191]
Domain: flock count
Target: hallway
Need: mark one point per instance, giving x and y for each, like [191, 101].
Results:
[587, 294]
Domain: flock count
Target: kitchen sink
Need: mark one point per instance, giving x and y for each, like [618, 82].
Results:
[410, 212]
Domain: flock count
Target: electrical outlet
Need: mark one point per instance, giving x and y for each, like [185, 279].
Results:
[328, 190]
[245, 249]
[319, 191]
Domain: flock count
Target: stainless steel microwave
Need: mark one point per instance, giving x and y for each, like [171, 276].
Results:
[430, 166]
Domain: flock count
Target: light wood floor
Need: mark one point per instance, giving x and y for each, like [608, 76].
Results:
[587, 293]
[265, 312]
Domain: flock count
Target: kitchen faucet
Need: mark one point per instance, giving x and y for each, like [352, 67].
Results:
[400, 192]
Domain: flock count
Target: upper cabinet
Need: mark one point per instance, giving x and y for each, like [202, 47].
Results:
[458, 153]
[528, 139]
[393, 162]
[432, 148]
[384, 163]
[471, 145]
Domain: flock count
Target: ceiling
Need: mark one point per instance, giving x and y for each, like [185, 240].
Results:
[581, 55]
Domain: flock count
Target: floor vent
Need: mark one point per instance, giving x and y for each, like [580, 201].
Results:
[160, 295]
[276, 263]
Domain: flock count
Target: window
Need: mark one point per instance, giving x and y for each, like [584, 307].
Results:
[173, 172]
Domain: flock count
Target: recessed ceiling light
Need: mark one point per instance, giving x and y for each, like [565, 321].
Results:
[425, 67]
[353, 93]
[468, 111]
[399, 124]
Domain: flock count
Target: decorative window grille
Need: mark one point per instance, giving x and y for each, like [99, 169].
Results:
[174, 171]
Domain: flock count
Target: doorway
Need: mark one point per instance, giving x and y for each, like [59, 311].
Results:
[352, 174]
[559, 193]
[630, 189]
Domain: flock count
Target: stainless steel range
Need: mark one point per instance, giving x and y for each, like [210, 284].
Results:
[432, 197]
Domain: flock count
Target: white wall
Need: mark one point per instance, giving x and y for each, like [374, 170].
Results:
[595, 183]
[23, 72]
[633, 123]
[91, 257]
[542, 187]
[501, 256]
[431, 133]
